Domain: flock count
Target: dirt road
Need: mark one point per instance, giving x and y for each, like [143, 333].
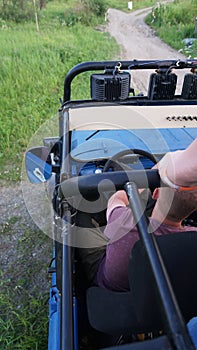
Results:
[138, 41]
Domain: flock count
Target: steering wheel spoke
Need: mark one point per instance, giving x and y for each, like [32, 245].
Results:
[115, 163]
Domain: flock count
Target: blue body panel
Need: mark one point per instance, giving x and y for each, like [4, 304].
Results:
[37, 169]
[54, 320]
[54, 314]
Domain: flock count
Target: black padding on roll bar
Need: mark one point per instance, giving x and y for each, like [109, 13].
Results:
[90, 186]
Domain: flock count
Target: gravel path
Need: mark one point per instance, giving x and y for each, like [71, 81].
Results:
[138, 41]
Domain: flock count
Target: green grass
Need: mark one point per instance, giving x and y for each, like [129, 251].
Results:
[143, 3]
[23, 327]
[137, 4]
[24, 286]
[175, 22]
[33, 66]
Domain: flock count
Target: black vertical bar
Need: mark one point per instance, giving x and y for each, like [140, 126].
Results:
[66, 298]
[171, 313]
[64, 135]
[67, 334]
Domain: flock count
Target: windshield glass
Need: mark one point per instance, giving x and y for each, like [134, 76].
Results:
[99, 144]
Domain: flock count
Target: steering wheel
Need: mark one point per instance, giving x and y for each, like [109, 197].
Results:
[150, 202]
[121, 154]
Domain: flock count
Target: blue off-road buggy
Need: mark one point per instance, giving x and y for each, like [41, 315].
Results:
[109, 142]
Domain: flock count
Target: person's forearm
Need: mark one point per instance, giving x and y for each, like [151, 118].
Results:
[180, 167]
[187, 174]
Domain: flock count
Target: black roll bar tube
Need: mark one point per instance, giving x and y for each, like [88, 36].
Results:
[124, 65]
[66, 325]
[67, 335]
[89, 186]
[176, 329]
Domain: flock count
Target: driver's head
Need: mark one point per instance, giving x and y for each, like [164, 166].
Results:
[174, 205]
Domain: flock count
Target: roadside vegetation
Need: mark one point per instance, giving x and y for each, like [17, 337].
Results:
[38, 46]
[176, 22]
[66, 33]
[33, 65]
[24, 288]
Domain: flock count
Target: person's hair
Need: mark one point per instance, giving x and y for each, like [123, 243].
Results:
[177, 205]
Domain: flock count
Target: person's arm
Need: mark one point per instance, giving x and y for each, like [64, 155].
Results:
[118, 199]
[179, 169]
[119, 217]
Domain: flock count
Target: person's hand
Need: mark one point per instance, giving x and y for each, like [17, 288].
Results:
[179, 169]
[118, 199]
[165, 163]
[171, 170]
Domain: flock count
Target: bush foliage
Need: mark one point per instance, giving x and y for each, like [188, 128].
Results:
[174, 22]
[23, 10]
[17, 10]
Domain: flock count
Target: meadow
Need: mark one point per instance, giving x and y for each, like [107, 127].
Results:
[175, 22]
[33, 66]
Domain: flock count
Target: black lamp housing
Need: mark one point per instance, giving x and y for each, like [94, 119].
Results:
[162, 85]
[112, 85]
[189, 90]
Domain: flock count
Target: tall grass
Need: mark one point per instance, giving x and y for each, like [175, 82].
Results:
[175, 22]
[23, 327]
[33, 66]
[24, 286]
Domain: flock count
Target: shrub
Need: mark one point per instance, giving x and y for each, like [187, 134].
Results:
[173, 14]
[71, 17]
[85, 13]
[97, 7]
[17, 10]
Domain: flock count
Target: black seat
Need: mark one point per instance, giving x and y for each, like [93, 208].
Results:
[161, 343]
[111, 312]
[138, 310]
[179, 253]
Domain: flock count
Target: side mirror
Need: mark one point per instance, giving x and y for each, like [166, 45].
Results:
[38, 164]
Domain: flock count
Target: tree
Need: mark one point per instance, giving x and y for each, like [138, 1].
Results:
[20, 10]
[42, 4]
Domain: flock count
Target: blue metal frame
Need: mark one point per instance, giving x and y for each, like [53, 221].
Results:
[54, 313]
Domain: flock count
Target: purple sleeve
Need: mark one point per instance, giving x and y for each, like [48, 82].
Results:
[113, 271]
[119, 223]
